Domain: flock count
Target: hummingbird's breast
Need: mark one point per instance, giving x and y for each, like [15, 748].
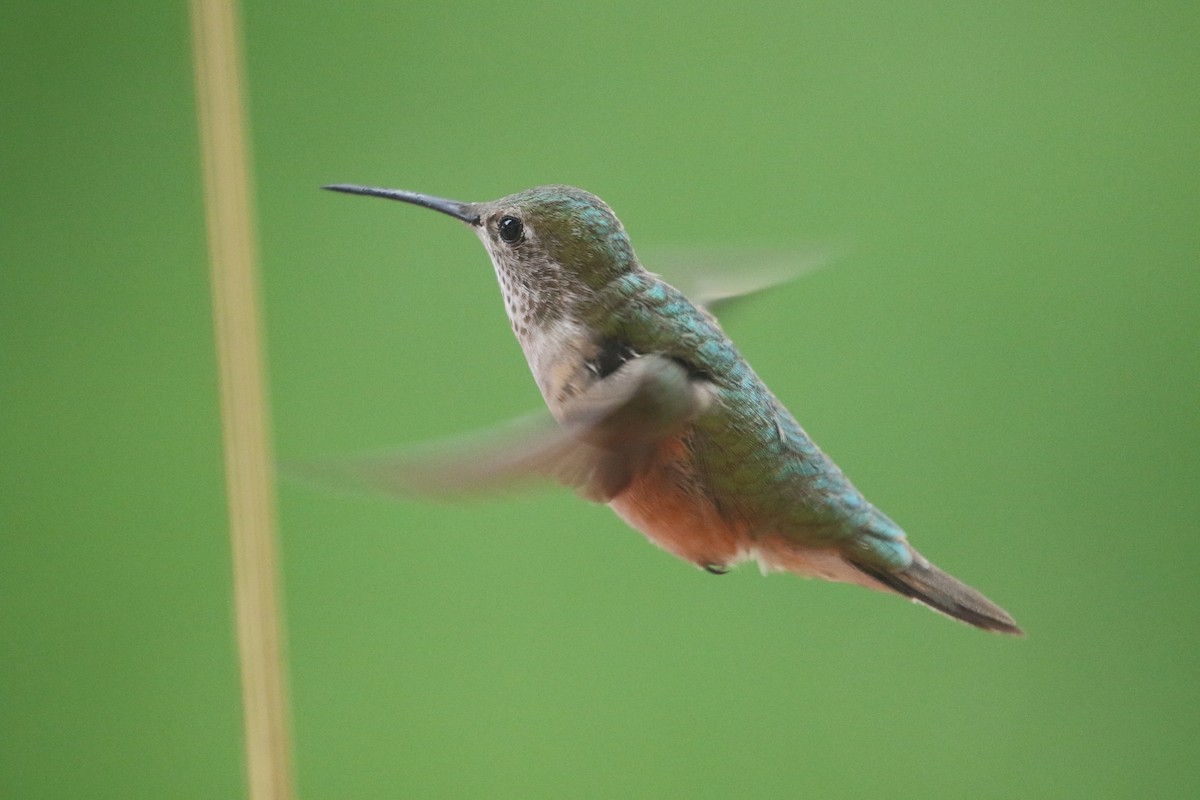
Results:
[557, 355]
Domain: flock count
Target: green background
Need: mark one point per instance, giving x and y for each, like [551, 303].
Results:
[1004, 358]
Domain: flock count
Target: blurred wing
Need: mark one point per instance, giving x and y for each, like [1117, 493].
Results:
[714, 277]
[606, 438]
[498, 459]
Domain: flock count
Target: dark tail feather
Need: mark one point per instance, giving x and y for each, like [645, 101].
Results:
[942, 592]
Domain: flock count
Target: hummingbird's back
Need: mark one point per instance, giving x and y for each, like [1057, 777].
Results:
[747, 454]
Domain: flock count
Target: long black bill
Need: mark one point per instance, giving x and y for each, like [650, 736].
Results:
[464, 211]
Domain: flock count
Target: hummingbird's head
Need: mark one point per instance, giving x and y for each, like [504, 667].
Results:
[553, 247]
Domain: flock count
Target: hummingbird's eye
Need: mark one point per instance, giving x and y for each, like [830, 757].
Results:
[511, 230]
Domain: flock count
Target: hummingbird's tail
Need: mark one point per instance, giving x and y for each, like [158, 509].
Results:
[942, 592]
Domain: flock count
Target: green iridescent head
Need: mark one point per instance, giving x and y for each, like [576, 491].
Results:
[560, 225]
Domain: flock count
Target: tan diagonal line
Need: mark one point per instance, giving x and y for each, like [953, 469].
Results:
[249, 474]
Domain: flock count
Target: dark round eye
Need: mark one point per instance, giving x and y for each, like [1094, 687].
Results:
[511, 230]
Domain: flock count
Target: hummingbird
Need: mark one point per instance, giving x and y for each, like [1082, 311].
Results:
[653, 411]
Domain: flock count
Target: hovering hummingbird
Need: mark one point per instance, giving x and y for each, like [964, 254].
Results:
[657, 414]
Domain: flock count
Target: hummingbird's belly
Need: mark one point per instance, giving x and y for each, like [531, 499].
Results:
[669, 506]
[690, 527]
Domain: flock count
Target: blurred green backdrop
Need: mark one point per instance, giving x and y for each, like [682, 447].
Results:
[1005, 359]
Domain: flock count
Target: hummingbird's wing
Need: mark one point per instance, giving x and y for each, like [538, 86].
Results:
[500, 458]
[604, 438]
[714, 278]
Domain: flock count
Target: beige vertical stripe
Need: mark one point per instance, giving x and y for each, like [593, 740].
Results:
[249, 475]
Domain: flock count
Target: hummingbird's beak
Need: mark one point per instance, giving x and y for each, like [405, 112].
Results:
[464, 211]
